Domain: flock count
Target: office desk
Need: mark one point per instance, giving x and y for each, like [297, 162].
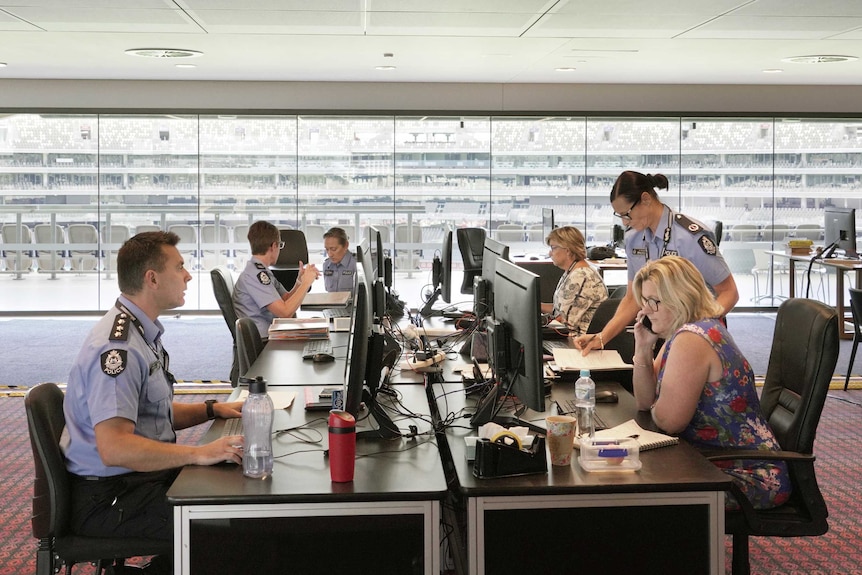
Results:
[280, 363]
[549, 274]
[666, 518]
[386, 521]
[840, 266]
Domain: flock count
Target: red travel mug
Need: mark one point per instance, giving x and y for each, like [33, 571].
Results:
[342, 446]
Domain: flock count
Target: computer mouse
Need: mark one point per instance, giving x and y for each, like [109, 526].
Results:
[322, 358]
[607, 396]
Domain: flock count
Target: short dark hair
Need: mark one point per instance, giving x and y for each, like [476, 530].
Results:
[631, 185]
[261, 235]
[140, 253]
[337, 233]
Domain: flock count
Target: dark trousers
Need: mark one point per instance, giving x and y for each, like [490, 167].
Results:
[131, 505]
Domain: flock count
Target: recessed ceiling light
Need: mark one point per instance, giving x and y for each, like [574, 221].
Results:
[163, 53]
[384, 68]
[186, 66]
[568, 69]
[3, 64]
[773, 71]
[823, 59]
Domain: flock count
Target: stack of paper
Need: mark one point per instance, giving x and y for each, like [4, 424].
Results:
[299, 328]
[571, 359]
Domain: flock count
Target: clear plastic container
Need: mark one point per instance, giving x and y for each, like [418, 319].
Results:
[609, 455]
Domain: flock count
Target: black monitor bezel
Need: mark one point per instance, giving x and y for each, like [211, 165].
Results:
[835, 221]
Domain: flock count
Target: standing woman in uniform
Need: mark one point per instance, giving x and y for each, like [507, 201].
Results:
[654, 231]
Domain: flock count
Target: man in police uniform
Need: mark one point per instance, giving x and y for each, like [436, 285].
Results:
[120, 438]
[339, 268]
[655, 231]
[257, 293]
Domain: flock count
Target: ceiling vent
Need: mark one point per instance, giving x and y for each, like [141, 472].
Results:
[819, 59]
[163, 53]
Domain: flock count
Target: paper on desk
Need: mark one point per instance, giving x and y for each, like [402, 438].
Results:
[280, 399]
[570, 359]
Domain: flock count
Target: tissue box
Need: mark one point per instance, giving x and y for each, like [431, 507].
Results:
[610, 455]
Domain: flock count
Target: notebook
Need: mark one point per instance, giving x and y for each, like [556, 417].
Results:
[646, 439]
[327, 299]
[571, 359]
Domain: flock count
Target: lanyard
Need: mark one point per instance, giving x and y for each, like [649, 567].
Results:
[666, 237]
[162, 358]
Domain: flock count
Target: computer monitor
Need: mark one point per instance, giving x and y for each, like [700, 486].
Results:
[483, 297]
[441, 276]
[548, 223]
[375, 247]
[366, 348]
[518, 354]
[839, 231]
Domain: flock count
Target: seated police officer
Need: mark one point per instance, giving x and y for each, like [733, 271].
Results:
[121, 420]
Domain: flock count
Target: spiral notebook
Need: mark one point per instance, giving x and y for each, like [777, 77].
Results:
[646, 439]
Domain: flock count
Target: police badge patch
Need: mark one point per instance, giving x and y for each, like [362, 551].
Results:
[114, 362]
[707, 245]
[263, 278]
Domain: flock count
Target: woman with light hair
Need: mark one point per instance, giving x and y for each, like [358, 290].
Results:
[580, 289]
[700, 385]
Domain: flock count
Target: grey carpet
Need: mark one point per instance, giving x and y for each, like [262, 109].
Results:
[42, 349]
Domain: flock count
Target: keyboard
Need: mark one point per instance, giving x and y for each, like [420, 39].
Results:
[552, 344]
[232, 426]
[331, 312]
[314, 346]
[568, 407]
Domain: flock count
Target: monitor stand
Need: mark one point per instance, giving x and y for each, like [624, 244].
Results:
[386, 428]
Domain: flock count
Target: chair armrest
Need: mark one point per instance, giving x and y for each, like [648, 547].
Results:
[730, 454]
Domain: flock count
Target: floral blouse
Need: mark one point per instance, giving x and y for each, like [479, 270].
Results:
[728, 415]
[577, 297]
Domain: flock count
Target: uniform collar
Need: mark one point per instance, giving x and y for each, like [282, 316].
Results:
[153, 330]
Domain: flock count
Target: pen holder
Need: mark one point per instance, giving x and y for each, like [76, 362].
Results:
[497, 459]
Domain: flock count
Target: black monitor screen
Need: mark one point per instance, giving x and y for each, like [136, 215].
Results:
[517, 307]
[840, 226]
[548, 223]
[484, 300]
[357, 348]
[441, 275]
[375, 247]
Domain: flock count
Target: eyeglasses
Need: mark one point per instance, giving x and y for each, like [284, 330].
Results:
[651, 303]
[281, 245]
[555, 248]
[628, 214]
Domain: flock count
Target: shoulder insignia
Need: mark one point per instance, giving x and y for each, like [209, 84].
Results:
[120, 329]
[113, 362]
[263, 278]
[707, 245]
[687, 223]
[259, 266]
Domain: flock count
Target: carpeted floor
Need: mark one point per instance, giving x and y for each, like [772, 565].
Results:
[838, 469]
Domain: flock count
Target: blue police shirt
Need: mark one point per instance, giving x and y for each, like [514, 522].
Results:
[340, 276]
[254, 290]
[677, 235]
[119, 372]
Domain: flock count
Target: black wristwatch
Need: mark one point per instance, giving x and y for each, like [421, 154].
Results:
[210, 412]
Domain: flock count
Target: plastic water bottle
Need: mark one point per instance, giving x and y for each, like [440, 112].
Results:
[257, 428]
[585, 405]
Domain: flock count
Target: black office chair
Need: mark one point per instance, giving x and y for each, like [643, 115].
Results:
[222, 281]
[52, 497]
[471, 242]
[801, 364]
[248, 343]
[856, 310]
[718, 229]
[295, 250]
[624, 343]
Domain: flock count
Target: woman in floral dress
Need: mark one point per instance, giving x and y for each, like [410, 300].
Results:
[700, 386]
